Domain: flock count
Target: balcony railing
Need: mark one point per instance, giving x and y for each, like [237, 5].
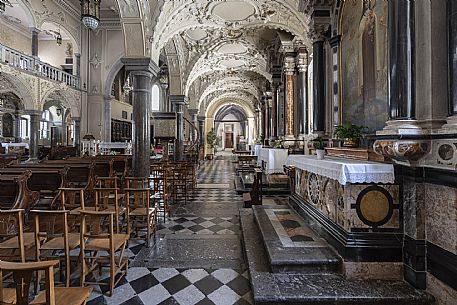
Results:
[35, 66]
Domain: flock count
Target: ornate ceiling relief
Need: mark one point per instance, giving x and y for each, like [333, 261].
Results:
[222, 45]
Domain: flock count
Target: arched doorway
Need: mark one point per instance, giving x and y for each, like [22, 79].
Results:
[230, 124]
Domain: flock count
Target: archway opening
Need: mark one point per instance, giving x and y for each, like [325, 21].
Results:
[231, 126]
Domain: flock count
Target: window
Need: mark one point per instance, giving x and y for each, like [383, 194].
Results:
[155, 98]
[44, 125]
[25, 126]
[124, 115]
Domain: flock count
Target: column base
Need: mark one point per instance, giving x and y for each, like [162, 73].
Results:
[450, 126]
[402, 127]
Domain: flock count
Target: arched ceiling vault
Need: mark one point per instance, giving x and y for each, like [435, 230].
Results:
[222, 46]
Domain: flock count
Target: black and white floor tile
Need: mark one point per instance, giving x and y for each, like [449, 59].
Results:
[200, 225]
[177, 286]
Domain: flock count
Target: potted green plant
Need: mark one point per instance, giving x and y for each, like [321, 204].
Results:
[211, 140]
[349, 133]
[319, 145]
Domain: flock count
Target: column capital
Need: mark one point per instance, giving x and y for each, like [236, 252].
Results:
[33, 112]
[178, 99]
[140, 64]
[302, 61]
[34, 30]
[289, 65]
[317, 32]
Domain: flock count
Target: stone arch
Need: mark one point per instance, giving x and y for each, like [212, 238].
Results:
[64, 28]
[115, 68]
[217, 104]
[19, 87]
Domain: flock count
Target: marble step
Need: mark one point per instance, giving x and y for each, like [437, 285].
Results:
[323, 289]
[292, 246]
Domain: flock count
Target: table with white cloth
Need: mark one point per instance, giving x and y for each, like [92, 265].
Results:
[15, 147]
[356, 195]
[272, 160]
[256, 150]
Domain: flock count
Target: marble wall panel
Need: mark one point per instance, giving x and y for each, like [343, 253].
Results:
[441, 216]
[373, 271]
[443, 294]
[337, 202]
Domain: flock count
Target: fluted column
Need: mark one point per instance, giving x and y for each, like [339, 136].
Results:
[317, 34]
[142, 71]
[289, 101]
[35, 117]
[302, 96]
[178, 106]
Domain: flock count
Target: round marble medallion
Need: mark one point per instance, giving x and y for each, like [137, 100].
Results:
[313, 188]
[374, 206]
[446, 152]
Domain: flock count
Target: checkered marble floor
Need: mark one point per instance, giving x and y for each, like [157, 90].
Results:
[200, 225]
[187, 286]
[178, 286]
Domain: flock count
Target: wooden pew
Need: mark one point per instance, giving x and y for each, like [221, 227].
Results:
[254, 197]
[79, 175]
[45, 181]
[15, 194]
[7, 159]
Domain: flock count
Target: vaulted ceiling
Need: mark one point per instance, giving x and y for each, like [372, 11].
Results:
[222, 46]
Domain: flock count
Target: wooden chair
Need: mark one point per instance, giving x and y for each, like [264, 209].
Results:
[160, 195]
[101, 244]
[73, 199]
[141, 214]
[22, 275]
[107, 182]
[178, 178]
[53, 227]
[254, 197]
[107, 199]
[14, 241]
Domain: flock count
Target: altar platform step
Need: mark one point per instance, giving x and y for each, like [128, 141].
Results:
[302, 288]
[292, 246]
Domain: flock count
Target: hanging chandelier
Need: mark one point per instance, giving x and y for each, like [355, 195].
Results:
[3, 4]
[59, 38]
[90, 13]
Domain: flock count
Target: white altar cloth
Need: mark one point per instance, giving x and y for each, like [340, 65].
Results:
[345, 170]
[256, 150]
[274, 159]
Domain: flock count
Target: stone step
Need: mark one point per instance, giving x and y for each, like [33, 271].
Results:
[290, 245]
[323, 289]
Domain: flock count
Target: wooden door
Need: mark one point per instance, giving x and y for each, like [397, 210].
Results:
[229, 140]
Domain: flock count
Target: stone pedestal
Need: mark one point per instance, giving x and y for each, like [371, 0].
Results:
[142, 71]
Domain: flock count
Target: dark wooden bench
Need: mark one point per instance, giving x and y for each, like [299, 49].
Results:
[15, 194]
[45, 181]
[7, 159]
[254, 196]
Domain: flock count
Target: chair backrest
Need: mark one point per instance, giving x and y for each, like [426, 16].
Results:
[107, 182]
[11, 226]
[22, 276]
[94, 225]
[72, 198]
[50, 224]
[105, 196]
[138, 198]
[136, 182]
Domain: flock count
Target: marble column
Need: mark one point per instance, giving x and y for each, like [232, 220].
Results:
[302, 93]
[142, 71]
[77, 132]
[319, 103]
[401, 74]
[35, 117]
[335, 45]
[274, 111]
[194, 119]
[258, 113]
[266, 116]
[178, 102]
[106, 119]
[289, 100]
[17, 127]
[452, 39]
[34, 32]
[201, 129]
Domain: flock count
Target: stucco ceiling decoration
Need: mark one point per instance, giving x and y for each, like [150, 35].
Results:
[233, 10]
